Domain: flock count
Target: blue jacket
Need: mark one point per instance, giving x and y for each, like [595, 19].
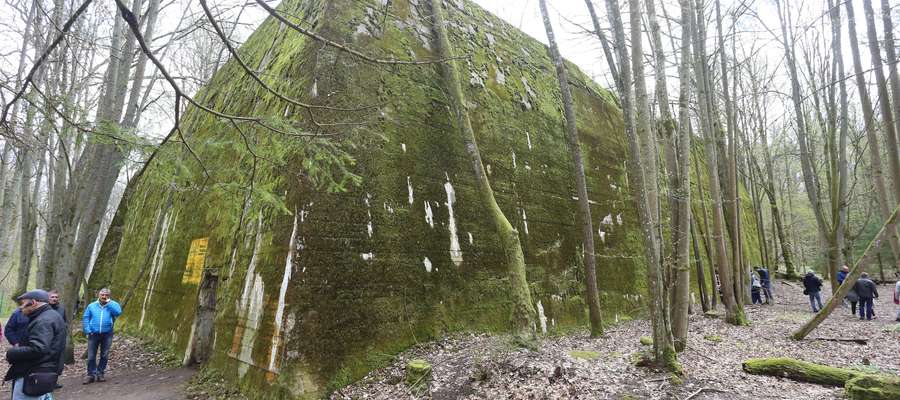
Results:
[763, 276]
[100, 319]
[16, 329]
[841, 275]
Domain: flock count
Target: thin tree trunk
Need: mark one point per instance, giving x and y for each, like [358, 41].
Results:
[584, 207]
[643, 154]
[734, 312]
[523, 310]
[881, 194]
[890, 135]
[677, 151]
[698, 263]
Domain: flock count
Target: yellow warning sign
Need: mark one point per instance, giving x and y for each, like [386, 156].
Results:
[193, 270]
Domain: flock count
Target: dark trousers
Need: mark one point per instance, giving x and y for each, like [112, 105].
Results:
[100, 341]
[754, 295]
[866, 305]
[853, 307]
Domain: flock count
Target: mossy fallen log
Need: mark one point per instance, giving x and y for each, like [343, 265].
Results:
[873, 387]
[858, 385]
[798, 370]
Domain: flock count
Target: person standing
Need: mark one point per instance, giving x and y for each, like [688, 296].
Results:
[812, 286]
[867, 292]
[16, 329]
[97, 324]
[37, 356]
[766, 283]
[897, 298]
[56, 306]
[755, 288]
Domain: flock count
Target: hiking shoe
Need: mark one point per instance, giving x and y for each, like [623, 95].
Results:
[88, 379]
[101, 378]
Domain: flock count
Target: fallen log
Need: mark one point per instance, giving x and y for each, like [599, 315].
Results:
[798, 370]
[857, 341]
[858, 385]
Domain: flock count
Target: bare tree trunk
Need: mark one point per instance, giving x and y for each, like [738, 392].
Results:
[523, 310]
[607, 51]
[890, 135]
[584, 207]
[643, 154]
[891, 52]
[734, 311]
[677, 152]
[881, 194]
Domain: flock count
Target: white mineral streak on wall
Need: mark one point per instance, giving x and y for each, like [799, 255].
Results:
[524, 220]
[232, 263]
[471, 239]
[367, 256]
[156, 264]
[409, 190]
[251, 325]
[455, 252]
[251, 269]
[429, 216]
[369, 226]
[403, 146]
[602, 236]
[514, 159]
[619, 218]
[279, 311]
[427, 263]
[528, 138]
[190, 343]
[542, 317]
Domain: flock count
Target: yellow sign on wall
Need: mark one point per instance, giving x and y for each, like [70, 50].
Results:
[193, 270]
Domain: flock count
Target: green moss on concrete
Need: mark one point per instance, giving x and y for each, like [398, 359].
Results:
[345, 315]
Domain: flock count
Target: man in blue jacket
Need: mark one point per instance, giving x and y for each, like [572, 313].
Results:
[97, 323]
[16, 329]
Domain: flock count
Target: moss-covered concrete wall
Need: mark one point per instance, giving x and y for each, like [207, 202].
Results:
[319, 286]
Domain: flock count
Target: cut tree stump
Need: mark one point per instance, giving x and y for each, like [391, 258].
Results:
[858, 385]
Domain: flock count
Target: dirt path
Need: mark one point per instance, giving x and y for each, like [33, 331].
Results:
[137, 370]
[143, 384]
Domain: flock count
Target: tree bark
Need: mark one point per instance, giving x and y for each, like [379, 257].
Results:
[890, 135]
[875, 163]
[584, 207]
[734, 313]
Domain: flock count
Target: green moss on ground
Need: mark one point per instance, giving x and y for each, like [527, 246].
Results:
[584, 354]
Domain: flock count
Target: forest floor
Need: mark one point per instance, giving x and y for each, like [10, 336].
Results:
[577, 367]
[573, 366]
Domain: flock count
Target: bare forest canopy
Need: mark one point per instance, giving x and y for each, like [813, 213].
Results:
[335, 179]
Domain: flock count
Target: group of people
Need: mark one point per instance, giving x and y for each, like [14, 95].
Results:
[38, 330]
[863, 293]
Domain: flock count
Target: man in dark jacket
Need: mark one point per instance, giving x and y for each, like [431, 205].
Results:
[766, 282]
[16, 328]
[812, 286]
[57, 306]
[42, 350]
[867, 292]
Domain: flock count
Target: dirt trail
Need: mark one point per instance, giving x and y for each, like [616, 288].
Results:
[143, 384]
